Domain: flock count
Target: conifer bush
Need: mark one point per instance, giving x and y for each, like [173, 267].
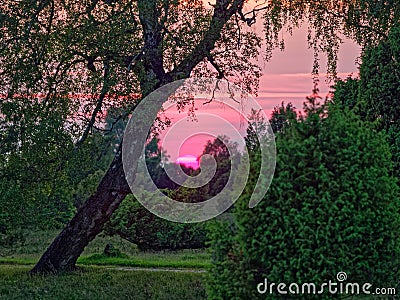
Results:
[332, 207]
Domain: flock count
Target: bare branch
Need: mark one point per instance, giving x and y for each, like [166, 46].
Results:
[215, 65]
[134, 58]
[249, 21]
[222, 13]
[99, 104]
[239, 41]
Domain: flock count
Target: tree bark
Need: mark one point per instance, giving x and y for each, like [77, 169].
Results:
[64, 251]
[62, 254]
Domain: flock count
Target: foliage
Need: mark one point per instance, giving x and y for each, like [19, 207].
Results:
[224, 152]
[86, 187]
[347, 93]
[282, 116]
[331, 207]
[159, 259]
[136, 224]
[111, 251]
[394, 142]
[220, 283]
[380, 80]
[375, 95]
[42, 180]
[380, 89]
[34, 188]
[365, 21]
[10, 238]
[156, 162]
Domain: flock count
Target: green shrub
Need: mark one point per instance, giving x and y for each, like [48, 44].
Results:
[332, 207]
[135, 223]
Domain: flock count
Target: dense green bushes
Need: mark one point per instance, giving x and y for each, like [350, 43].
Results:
[135, 223]
[332, 207]
[379, 95]
[375, 96]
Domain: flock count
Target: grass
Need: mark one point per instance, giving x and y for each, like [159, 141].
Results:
[36, 243]
[151, 260]
[100, 283]
[148, 260]
[99, 276]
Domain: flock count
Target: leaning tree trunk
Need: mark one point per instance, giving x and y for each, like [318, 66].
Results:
[64, 251]
[96, 211]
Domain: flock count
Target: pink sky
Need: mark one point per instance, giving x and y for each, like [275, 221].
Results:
[287, 77]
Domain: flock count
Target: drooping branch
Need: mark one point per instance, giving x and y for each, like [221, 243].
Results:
[353, 24]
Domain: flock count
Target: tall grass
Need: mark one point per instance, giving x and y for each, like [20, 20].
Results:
[100, 283]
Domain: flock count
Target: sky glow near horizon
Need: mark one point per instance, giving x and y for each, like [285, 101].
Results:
[286, 77]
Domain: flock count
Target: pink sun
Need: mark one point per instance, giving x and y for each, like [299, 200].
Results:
[189, 161]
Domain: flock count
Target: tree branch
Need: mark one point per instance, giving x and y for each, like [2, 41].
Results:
[222, 13]
[215, 65]
[99, 104]
[152, 36]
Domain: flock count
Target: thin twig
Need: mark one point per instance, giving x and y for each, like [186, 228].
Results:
[99, 104]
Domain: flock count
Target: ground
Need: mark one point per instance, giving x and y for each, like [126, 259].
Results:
[131, 275]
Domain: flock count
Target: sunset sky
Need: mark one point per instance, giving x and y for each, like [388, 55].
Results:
[287, 77]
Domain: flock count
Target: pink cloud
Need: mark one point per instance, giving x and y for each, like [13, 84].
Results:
[287, 77]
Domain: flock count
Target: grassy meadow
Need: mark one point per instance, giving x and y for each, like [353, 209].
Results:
[36, 242]
[130, 275]
[100, 283]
